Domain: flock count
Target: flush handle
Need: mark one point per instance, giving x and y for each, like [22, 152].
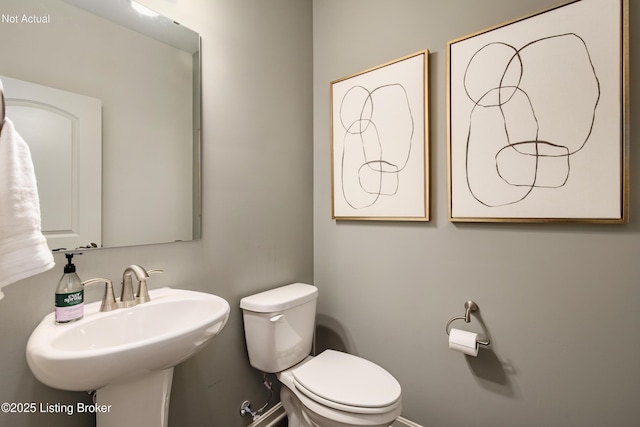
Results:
[277, 318]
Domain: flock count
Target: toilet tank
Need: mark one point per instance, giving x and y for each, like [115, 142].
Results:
[279, 325]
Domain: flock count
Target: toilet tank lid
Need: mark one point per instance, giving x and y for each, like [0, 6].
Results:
[280, 299]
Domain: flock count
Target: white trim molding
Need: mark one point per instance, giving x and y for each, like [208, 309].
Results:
[403, 422]
[273, 416]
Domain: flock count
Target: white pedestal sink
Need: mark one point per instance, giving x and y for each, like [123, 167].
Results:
[127, 355]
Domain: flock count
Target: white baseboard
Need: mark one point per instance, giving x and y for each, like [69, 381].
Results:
[273, 416]
[403, 422]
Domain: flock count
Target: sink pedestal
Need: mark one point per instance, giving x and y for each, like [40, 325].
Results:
[142, 401]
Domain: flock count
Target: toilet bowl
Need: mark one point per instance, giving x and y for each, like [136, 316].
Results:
[337, 389]
[332, 389]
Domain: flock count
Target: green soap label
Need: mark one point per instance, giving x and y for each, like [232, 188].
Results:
[70, 299]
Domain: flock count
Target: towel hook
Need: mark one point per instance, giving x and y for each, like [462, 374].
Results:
[469, 307]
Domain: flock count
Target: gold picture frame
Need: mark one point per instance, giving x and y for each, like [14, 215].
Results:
[537, 118]
[380, 142]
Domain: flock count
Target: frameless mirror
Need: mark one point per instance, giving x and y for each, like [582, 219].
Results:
[108, 100]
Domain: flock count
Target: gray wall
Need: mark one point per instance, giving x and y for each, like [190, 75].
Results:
[558, 300]
[257, 226]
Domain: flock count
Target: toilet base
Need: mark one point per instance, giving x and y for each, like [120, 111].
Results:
[299, 415]
[293, 408]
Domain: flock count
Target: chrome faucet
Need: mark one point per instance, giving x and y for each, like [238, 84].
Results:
[127, 298]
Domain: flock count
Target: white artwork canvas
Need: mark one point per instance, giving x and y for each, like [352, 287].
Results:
[379, 149]
[537, 128]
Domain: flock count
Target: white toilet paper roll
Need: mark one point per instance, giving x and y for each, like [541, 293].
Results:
[464, 341]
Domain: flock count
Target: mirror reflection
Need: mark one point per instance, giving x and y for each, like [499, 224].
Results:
[108, 100]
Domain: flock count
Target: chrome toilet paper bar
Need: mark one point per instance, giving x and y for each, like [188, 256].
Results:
[469, 307]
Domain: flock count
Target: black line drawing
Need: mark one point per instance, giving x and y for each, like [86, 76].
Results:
[533, 110]
[377, 141]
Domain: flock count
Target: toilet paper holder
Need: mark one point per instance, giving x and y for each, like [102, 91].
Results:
[469, 307]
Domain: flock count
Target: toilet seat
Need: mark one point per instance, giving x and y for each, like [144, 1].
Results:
[348, 383]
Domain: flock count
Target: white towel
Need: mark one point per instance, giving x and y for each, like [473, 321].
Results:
[23, 247]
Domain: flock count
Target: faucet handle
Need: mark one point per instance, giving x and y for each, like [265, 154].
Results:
[109, 299]
[143, 291]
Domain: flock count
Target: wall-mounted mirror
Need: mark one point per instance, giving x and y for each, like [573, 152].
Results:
[139, 73]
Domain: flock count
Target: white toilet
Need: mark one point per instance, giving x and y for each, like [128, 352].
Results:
[332, 389]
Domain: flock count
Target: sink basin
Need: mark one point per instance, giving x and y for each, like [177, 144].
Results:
[105, 348]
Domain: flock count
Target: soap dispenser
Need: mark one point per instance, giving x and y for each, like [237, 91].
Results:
[69, 294]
